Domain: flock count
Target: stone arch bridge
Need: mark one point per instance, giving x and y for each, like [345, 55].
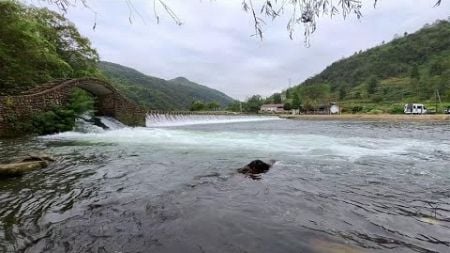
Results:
[109, 102]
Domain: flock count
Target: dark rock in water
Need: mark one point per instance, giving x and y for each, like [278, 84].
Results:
[98, 122]
[256, 167]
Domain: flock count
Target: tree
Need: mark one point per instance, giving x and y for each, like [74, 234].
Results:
[342, 92]
[316, 93]
[50, 47]
[235, 106]
[253, 104]
[296, 104]
[287, 106]
[372, 85]
[276, 98]
[414, 74]
[436, 68]
[288, 94]
[213, 106]
[197, 105]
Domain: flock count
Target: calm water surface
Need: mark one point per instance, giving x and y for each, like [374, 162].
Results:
[336, 187]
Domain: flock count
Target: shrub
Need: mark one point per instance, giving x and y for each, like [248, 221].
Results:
[357, 109]
[377, 98]
[375, 111]
[397, 109]
[62, 118]
[56, 120]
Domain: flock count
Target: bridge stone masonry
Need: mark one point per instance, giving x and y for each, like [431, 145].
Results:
[14, 110]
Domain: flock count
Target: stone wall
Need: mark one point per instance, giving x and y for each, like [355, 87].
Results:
[14, 110]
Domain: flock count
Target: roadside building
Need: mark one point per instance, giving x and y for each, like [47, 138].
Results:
[331, 108]
[272, 108]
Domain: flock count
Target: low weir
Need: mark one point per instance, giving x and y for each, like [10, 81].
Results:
[167, 119]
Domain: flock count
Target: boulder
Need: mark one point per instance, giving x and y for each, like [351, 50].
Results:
[20, 168]
[256, 167]
[30, 163]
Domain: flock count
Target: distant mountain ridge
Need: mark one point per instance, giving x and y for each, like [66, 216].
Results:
[157, 93]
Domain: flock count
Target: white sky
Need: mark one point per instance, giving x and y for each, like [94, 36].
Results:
[214, 46]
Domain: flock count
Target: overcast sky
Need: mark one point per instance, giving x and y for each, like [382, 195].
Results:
[214, 46]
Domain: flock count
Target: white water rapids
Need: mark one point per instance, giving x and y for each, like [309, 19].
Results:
[187, 132]
[167, 120]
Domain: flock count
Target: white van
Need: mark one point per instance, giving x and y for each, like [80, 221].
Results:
[415, 109]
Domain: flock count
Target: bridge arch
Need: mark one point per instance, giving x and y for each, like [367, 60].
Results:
[109, 101]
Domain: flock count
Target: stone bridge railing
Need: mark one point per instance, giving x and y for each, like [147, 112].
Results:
[109, 102]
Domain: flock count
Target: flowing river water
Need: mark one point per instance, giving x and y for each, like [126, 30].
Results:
[173, 187]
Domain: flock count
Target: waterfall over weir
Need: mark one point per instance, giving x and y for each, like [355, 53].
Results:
[178, 119]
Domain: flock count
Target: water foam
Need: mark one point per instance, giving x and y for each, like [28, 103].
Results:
[169, 120]
[111, 123]
[254, 142]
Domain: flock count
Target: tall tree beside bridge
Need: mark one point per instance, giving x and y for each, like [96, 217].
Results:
[38, 45]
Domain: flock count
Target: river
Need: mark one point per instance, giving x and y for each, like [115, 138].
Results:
[336, 186]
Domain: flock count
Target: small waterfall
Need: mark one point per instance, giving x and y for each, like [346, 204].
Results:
[83, 125]
[90, 124]
[111, 123]
[175, 119]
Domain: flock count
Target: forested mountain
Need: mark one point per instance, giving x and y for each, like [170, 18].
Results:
[157, 93]
[411, 68]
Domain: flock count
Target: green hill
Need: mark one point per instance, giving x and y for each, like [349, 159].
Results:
[410, 68]
[157, 93]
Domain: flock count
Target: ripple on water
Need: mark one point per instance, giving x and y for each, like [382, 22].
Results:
[337, 187]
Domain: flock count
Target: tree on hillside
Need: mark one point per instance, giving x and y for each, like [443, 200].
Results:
[296, 104]
[415, 77]
[315, 93]
[342, 92]
[288, 93]
[372, 85]
[276, 98]
[414, 74]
